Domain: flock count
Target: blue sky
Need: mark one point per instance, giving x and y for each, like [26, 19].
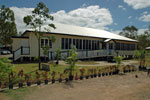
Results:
[111, 15]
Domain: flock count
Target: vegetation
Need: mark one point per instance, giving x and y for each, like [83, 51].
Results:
[7, 25]
[71, 60]
[118, 60]
[45, 51]
[129, 31]
[141, 56]
[5, 70]
[57, 55]
[40, 16]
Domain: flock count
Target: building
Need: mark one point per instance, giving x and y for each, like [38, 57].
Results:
[90, 43]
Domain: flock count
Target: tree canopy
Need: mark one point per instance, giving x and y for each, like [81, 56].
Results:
[129, 31]
[7, 25]
[40, 17]
[144, 39]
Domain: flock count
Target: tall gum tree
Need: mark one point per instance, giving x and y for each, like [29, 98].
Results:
[40, 16]
[7, 25]
[129, 31]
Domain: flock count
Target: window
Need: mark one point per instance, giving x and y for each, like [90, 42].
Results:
[110, 45]
[50, 43]
[46, 42]
[93, 46]
[42, 42]
[84, 45]
[103, 45]
[70, 43]
[66, 43]
[132, 46]
[62, 43]
[117, 46]
[98, 45]
[87, 44]
[90, 45]
[74, 42]
[77, 43]
[80, 44]
[122, 46]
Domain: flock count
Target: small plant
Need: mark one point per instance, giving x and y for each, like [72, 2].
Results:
[60, 77]
[99, 72]
[53, 76]
[76, 76]
[12, 77]
[66, 75]
[45, 75]
[87, 75]
[38, 78]
[57, 55]
[20, 76]
[82, 70]
[95, 73]
[91, 73]
[71, 60]
[27, 79]
[118, 60]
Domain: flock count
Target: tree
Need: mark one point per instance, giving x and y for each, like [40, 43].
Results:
[58, 55]
[5, 69]
[141, 54]
[7, 25]
[40, 16]
[147, 33]
[129, 31]
[143, 41]
[118, 60]
[45, 51]
[71, 60]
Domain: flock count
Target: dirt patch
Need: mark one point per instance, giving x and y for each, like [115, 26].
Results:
[118, 87]
[101, 63]
[3, 97]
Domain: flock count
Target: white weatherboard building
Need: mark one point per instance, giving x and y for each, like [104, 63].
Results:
[90, 43]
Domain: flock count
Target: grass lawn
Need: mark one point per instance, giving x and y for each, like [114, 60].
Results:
[32, 67]
[17, 94]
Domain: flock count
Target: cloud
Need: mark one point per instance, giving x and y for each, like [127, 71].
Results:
[141, 31]
[145, 17]
[20, 13]
[129, 17]
[120, 6]
[145, 12]
[91, 16]
[115, 24]
[115, 31]
[138, 4]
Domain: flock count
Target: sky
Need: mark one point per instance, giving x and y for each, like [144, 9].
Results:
[110, 15]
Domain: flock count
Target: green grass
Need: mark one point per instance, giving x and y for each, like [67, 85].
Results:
[31, 67]
[26, 67]
[18, 94]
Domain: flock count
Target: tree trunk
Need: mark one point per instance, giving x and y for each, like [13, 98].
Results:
[39, 53]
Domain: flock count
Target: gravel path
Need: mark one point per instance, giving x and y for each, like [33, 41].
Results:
[102, 63]
[118, 87]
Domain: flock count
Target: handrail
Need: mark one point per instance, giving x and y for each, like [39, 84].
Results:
[21, 51]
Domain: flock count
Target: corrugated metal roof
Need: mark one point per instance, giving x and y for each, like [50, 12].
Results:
[83, 31]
